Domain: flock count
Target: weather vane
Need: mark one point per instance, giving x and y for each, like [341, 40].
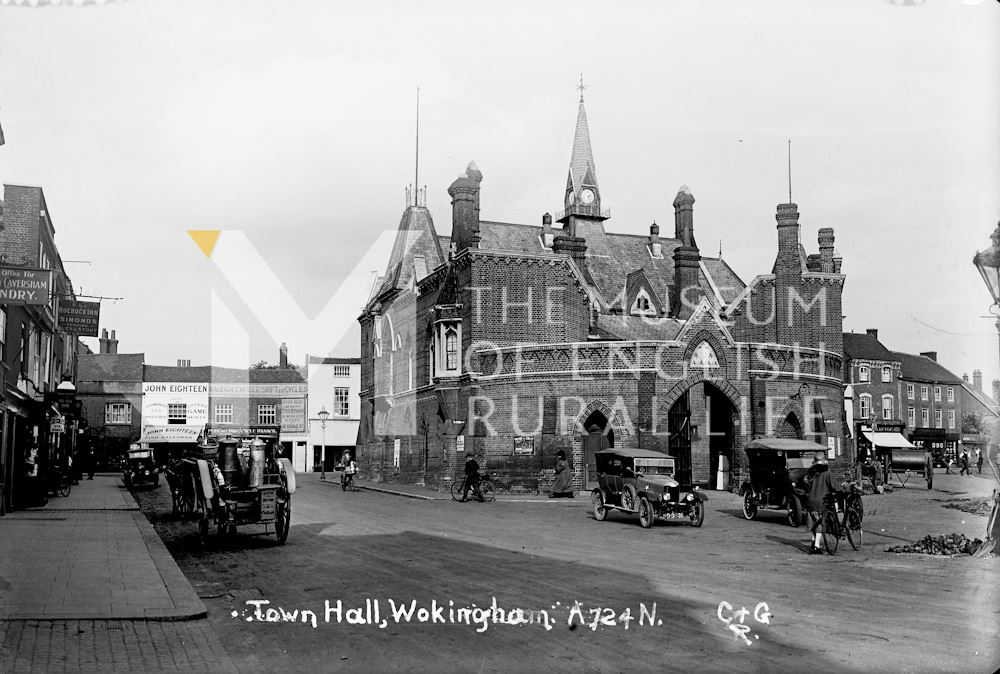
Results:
[581, 87]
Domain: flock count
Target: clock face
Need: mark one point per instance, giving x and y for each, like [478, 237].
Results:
[587, 196]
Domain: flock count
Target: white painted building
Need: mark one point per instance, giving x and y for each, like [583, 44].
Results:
[334, 386]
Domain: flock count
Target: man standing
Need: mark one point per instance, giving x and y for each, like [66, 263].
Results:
[820, 485]
[979, 460]
[964, 461]
[471, 477]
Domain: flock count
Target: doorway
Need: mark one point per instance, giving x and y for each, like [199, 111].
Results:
[679, 430]
[599, 436]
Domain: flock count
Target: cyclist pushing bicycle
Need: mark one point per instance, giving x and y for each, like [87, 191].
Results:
[820, 486]
[347, 477]
[471, 478]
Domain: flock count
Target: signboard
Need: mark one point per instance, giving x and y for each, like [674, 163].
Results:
[176, 433]
[25, 286]
[259, 431]
[460, 443]
[79, 318]
[185, 400]
[57, 425]
[831, 451]
[293, 415]
[524, 444]
[395, 452]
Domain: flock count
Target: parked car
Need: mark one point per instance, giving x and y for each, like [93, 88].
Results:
[777, 468]
[140, 469]
[641, 482]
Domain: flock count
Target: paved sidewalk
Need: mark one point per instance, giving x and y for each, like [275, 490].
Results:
[86, 584]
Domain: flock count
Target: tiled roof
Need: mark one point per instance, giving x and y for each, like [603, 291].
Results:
[109, 367]
[857, 345]
[319, 360]
[637, 327]
[415, 237]
[923, 368]
[728, 283]
[222, 375]
[987, 402]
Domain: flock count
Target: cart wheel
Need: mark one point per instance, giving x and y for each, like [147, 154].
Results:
[600, 511]
[854, 531]
[697, 514]
[794, 511]
[645, 513]
[749, 506]
[831, 531]
[283, 520]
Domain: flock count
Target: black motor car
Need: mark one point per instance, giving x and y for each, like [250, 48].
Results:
[140, 468]
[641, 482]
[777, 468]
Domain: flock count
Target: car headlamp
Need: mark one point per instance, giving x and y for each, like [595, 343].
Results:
[690, 497]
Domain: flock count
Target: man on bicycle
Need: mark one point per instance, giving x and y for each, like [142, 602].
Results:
[820, 485]
[471, 478]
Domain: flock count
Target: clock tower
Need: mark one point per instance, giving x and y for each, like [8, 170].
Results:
[582, 202]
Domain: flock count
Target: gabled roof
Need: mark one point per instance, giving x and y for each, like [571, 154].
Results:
[415, 237]
[635, 282]
[983, 399]
[864, 346]
[922, 368]
[221, 375]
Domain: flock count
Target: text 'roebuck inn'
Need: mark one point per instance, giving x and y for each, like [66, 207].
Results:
[513, 341]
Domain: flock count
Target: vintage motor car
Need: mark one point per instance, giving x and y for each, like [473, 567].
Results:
[777, 468]
[140, 469]
[641, 482]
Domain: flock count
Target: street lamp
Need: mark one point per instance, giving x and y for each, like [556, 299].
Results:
[323, 416]
[988, 264]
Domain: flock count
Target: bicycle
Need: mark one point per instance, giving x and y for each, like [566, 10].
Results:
[60, 481]
[847, 504]
[483, 491]
[347, 482]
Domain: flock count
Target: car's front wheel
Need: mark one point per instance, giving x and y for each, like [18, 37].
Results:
[749, 506]
[628, 497]
[600, 510]
[697, 513]
[645, 513]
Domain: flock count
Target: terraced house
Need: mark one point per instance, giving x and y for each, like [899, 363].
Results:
[513, 341]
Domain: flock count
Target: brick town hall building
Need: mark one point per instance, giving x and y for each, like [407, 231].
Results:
[514, 341]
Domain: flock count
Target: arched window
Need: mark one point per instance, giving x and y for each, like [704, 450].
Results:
[451, 348]
[643, 305]
[863, 373]
[704, 356]
[886, 374]
[887, 407]
[865, 410]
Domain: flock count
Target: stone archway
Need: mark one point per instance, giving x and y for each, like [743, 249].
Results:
[602, 428]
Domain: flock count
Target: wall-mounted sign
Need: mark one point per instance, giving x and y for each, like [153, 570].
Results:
[170, 433]
[293, 415]
[57, 425]
[395, 452]
[25, 286]
[460, 443]
[524, 444]
[79, 318]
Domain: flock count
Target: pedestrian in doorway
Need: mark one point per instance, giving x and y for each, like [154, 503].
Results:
[91, 459]
[979, 460]
[562, 487]
[820, 484]
[964, 462]
[471, 478]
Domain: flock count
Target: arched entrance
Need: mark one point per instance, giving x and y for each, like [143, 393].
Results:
[599, 436]
[701, 425]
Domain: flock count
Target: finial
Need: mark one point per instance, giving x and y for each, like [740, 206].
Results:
[720, 249]
[581, 87]
[790, 171]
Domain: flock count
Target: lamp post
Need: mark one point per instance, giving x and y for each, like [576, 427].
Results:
[323, 416]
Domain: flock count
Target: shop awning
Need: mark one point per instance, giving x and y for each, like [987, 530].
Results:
[170, 433]
[888, 440]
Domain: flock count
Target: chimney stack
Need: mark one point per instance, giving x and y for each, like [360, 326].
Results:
[996, 390]
[103, 341]
[112, 343]
[872, 332]
[547, 235]
[788, 262]
[932, 355]
[687, 258]
[826, 249]
[464, 193]
[283, 356]
[965, 377]
[977, 380]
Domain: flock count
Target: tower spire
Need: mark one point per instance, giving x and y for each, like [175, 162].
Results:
[581, 163]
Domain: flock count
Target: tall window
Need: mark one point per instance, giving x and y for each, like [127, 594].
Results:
[937, 394]
[451, 348]
[937, 419]
[925, 419]
[267, 414]
[117, 413]
[177, 413]
[863, 373]
[923, 393]
[430, 364]
[887, 407]
[223, 413]
[951, 394]
[886, 374]
[866, 406]
[911, 417]
[909, 391]
[23, 353]
[36, 356]
[341, 370]
[951, 419]
[342, 401]
[3, 334]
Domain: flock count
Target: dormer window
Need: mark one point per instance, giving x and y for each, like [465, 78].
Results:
[704, 356]
[448, 348]
[643, 305]
[656, 251]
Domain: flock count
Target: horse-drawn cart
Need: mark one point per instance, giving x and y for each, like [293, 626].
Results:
[228, 485]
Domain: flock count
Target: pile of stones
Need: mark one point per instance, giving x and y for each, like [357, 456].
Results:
[951, 544]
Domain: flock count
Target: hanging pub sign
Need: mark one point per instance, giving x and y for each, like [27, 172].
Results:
[19, 285]
[79, 318]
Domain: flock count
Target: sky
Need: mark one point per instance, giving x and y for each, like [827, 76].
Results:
[291, 127]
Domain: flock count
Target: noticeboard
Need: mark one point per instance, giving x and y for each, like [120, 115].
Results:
[79, 318]
[524, 444]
